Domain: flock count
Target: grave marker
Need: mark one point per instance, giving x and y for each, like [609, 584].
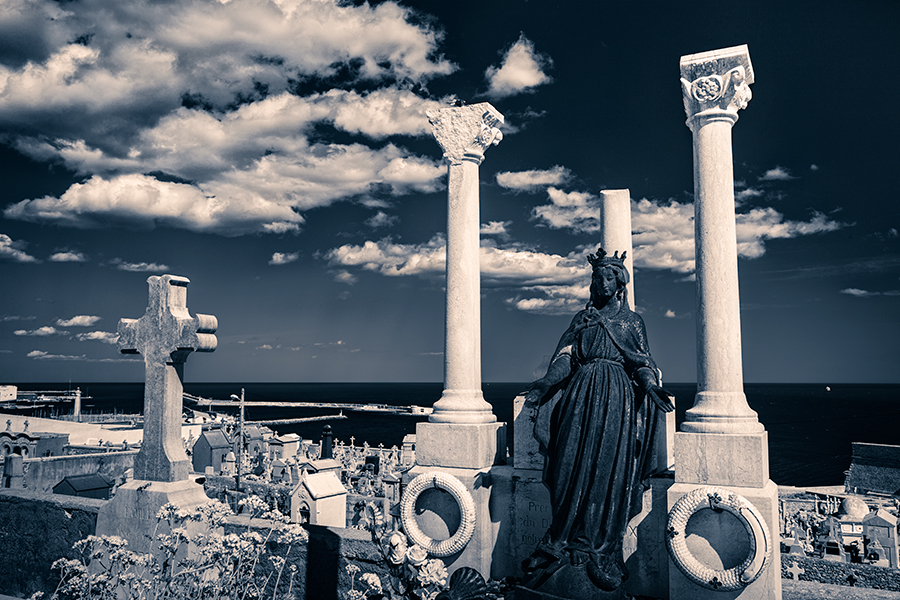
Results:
[164, 336]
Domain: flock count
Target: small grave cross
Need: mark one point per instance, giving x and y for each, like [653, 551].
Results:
[796, 571]
[165, 336]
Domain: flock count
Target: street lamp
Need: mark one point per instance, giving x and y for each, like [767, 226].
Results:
[240, 445]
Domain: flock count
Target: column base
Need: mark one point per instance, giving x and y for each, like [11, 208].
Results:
[131, 513]
[460, 445]
[462, 406]
[721, 412]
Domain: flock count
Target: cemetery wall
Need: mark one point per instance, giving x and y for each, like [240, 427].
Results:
[41, 474]
[35, 530]
[839, 573]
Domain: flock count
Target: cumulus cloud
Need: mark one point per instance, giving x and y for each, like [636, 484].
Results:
[68, 256]
[542, 283]
[99, 336]
[776, 174]
[189, 117]
[14, 250]
[140, 267]
[521, 70]
[283, 258]
[45, 331]
[78, 321]
[526, 181]
[382, 219]
[578, 211]
[498, 229]
[344, 276]
[663, 232]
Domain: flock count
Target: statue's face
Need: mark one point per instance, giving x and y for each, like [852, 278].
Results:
[603, 284]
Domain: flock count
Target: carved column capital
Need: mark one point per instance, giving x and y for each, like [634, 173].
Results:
[465, 132]
[716, 83]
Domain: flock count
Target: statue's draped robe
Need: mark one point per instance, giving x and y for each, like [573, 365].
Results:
[597, 432]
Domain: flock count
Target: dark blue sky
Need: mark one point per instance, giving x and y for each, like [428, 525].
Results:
[278, 155]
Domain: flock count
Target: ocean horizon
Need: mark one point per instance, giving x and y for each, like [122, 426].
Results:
[810, 426]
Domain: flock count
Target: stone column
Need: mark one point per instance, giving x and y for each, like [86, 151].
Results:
[615, 230]
[715, 86]
[464, 133]
[463, 438]
[721, 442]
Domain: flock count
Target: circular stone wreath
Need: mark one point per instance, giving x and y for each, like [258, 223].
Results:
[718, 499]
[452, 485]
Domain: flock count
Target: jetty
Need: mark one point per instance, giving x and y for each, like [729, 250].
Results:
[349, 406]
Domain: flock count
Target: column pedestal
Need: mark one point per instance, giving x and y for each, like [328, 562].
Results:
[131, 513]
[469, 453]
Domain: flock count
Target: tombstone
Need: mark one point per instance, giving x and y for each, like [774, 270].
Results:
[721, 443]
[462, 438]
[164, 336]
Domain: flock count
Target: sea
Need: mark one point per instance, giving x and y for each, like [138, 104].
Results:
[810, 426]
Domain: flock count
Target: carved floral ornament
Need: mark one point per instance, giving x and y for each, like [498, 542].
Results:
[465, 132]
[729, 92]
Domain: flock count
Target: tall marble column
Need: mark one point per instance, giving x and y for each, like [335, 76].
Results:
[715, 86]
[464, 133]
[721, 442]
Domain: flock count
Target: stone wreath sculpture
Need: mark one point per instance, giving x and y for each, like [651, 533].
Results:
[452, 485]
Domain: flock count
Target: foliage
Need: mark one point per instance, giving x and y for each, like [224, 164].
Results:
[193, 558]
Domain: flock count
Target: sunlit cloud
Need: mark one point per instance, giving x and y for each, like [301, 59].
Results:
[68, 256]
[283, 258]
[776, 174]
[45, 331]
[526, 181]
[14, 250]
[188, 117]
[139, 267]
[521, 70]
[78, 321]
[663, 231]
[382, 219]
[98, 336]
[867, 294]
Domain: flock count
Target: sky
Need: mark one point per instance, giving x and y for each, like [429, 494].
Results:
[278, 154]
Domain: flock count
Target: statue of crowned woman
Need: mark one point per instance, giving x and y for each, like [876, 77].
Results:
[598, 407]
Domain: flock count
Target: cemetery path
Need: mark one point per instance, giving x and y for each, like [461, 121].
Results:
[811, 590]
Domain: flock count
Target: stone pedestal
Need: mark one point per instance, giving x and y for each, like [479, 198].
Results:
[458, 445]
[767, 586]
[131, 513]
[468, 452]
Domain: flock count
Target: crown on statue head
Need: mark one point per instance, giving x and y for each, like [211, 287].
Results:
[602, 259]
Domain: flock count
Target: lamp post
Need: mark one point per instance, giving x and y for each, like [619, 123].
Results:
[240, 452]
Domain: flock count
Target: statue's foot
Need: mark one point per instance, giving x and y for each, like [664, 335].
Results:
[606, 572]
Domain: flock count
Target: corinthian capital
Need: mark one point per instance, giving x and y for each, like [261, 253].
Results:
[466, 131]
[718, 80]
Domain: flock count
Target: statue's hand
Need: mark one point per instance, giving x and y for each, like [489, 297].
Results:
[536, 391]
[661, 398]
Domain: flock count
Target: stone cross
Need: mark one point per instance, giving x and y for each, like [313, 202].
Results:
[165, 336]
[464, 133]
[715, 85]
[796, 571]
